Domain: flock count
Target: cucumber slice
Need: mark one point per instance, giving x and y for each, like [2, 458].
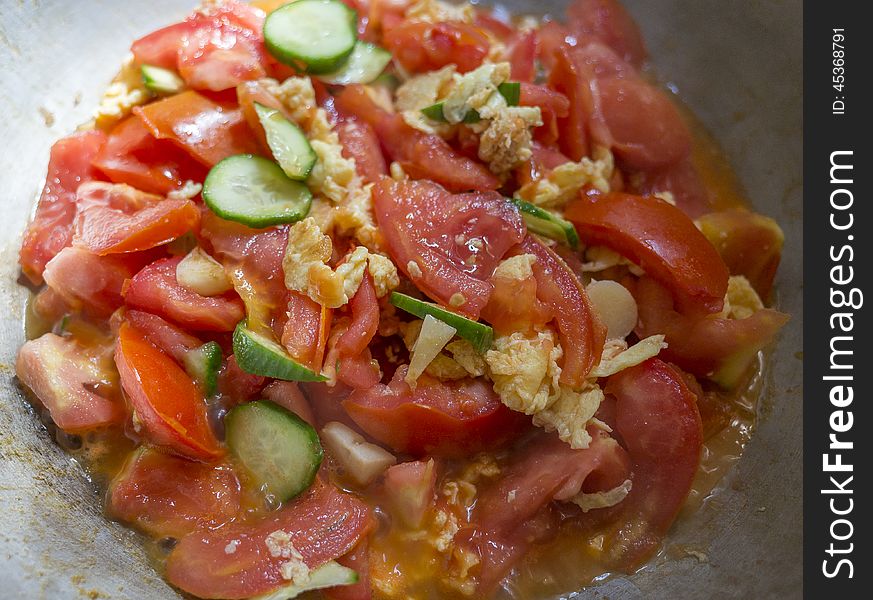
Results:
[478, 334]
[364, 65]
[321, 34]
[203, 364]
[280, 450]
[329, 574]
[510, 90]
[255, 191]
[161, 81]
[287, 142]
[547, 224]
[259, 355]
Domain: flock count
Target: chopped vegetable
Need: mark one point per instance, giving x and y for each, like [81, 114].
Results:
[548, 224]
[202, 274]
[364, 65]
[260, 355]
[161, 81]
[330, 574]
[432, 338]
[319, 34]
[478, 334]
[255, 191]
[203, 364]
[361, 460]
[510, 90]
[614, 306]
[280, 450]
[287, 142]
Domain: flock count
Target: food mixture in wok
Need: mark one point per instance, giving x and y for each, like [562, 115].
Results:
[395, 299]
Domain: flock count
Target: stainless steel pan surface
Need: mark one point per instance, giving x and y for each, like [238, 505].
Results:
[736, 63]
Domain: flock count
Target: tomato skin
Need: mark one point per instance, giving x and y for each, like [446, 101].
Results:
[133, 156]
[304, 333]
[156, 290]
[452, 419]
[558, 288]
[421, 155]
[658, 420]
[421, 222]
[609, 22]
[553, 106]
[567, 79]
[639, 123]
[364, 307]
[323, 524]
[749, 243]
[52, 226]
[706, 347]
[167, 404]
[221, 130]
[62, 374]
[167, 496]
[117, 219]
[661, 239]
[421, 47]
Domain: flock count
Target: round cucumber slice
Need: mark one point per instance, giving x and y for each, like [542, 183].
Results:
[321, 34]
[280, 450]
[259, 355]
[255, 191]
[287, 142]
[365, 64]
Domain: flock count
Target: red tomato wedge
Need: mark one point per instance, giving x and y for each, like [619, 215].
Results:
[639, 123]
[422, 156]
[657, 418]
[558, 288]
[306, 330]
[705, 346]
[680, 179]
[76, 384]
[609, 22]
[359, 561]
[521, 53]
[364, 307]
[553, 106]
[167, 496]
[208, 131]
[161, 48]
[421, 47]
[422, 223]
[452, 419]
[115, 218]
[133, 156]
[167, 405]
[166, 336]
[567, 78]
[360, 143]
[236, 384]
[88, 282]
[509, 514]
[750, 244]
[52, 226]
[323, 525]
[661, 239]
[155, 289]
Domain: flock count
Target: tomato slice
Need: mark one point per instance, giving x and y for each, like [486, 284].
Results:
[247, 94]
[422, 223]
[707, 347]
[76, 383]
[609, 22]
[364, 307]
[166, 403]
[658, 421]
[453, 419]
[521, 53]
[237, 385]
[749, 243]
[166, 336]
[661, 239]
[680, 179]
[133, 156]
[322, 525]
[509, 515]
[553, 106]
[88, 282]
[421, 155]
[167, 496]
[359, 561]
[52, 226]
[115, 218]
[360, 143]
[567, 79]
[421, 46]
[160, 48]
[558, 288]
[306, 330]
[208, 131]
[155, 289]
[639, 123]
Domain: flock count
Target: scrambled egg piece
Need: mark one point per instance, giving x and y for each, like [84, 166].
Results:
[741, 300]
[423, 90]
[601, 258]
[126, 91]
[618, 357]
[294, 569]
[525, 370]
[602, 499]
[436, 11]
[506, 141]
[307, 272]
[355, 216]
[384, 274]
[564, 182]
[517, 267]
[570, 413]
[473, 90]
[466, 356]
